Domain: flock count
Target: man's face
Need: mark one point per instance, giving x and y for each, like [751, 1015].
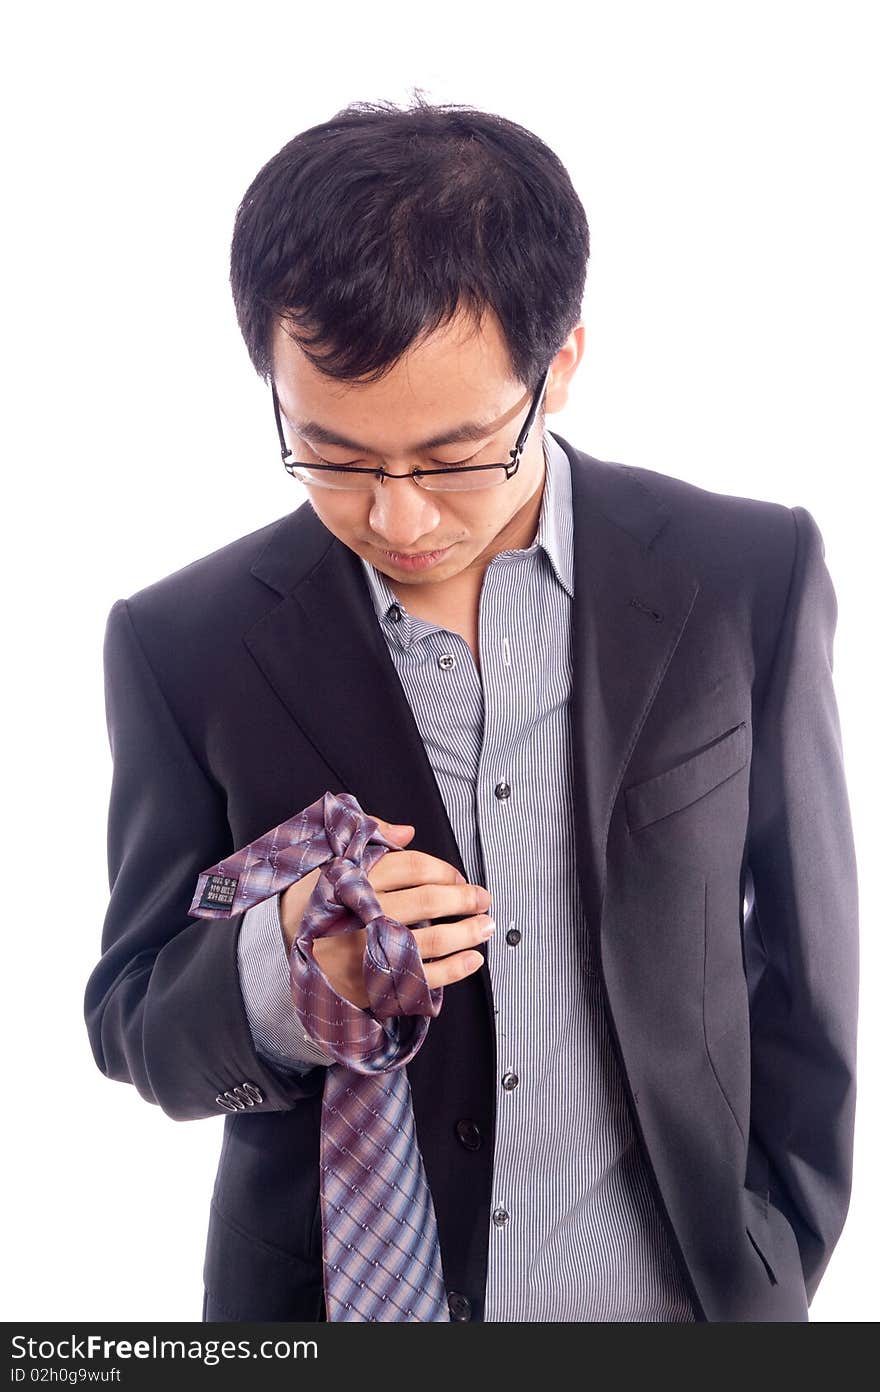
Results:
[454, 377]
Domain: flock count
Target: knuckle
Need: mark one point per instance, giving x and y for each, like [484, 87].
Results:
[410, 865]
[429, 942]
[457, 966]
[430, 901]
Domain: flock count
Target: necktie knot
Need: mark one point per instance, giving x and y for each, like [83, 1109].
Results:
[401, 1003]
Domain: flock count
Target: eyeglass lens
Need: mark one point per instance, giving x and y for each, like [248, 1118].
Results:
[462, 480]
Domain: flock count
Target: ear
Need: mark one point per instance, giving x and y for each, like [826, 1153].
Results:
[563, 368]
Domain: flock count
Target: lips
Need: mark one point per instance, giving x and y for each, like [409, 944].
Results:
[414, 555]
[415, 560]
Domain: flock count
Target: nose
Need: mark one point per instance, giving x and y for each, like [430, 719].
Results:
[402, 514]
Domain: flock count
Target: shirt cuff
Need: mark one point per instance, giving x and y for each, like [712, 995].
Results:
[264, 973]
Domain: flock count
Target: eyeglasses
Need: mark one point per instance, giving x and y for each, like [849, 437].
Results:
[456, 478]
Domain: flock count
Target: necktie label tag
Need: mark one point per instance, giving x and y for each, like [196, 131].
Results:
[219, 892]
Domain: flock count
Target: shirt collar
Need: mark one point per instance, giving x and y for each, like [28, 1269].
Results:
[554, 535]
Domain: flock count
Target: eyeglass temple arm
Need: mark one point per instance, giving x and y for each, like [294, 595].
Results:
[533, 411]
[285, 452]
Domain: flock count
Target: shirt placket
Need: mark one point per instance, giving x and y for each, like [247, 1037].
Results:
[505, 804]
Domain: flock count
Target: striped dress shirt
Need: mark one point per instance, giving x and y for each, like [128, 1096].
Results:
[575, 1234]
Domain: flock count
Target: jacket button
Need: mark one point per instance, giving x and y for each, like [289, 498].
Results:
[238, 1098]
[468, 1132]
[459, 1306]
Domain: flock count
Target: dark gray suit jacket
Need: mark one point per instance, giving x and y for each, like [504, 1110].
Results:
[715, 859]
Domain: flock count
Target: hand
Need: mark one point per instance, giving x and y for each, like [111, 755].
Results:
[410, 887]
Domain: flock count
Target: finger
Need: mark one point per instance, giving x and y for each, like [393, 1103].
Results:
[426, 903]
[405, 869]
[452, 969]
[394, 831]
[441, 939]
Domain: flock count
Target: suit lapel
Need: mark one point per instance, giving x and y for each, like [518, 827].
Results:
[630, 608]
[323, 652]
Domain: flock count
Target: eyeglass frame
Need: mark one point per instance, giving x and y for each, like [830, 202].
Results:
[382, 473]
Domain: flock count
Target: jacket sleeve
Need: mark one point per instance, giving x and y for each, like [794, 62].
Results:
[804, 919]
[163, 1005]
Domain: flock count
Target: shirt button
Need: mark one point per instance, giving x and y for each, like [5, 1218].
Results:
[500, 1216]
[459, 1306]
[502, 790]
[514, 936]
[468, 1132]
[509, 1081]
[446, 661]
[395, 613]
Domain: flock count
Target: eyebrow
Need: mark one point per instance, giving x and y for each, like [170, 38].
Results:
[461, 434]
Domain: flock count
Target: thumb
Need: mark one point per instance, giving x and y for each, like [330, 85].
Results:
[395, 831]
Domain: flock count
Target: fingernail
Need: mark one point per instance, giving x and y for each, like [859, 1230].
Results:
[488, 930]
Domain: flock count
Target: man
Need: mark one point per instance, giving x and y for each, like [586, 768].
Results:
[593, 706]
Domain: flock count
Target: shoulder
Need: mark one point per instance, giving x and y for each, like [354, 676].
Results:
[751, 542]
[219, 596]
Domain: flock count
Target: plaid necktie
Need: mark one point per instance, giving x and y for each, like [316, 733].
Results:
[381, 1249]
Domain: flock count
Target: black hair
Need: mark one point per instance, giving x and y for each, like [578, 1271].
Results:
[369, 231]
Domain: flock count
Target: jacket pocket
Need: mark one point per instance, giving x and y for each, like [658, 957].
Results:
[759, 1230]
[773, 1238]
[253, 1280]
[684, 784]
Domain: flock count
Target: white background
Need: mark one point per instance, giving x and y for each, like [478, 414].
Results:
[725, 155]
